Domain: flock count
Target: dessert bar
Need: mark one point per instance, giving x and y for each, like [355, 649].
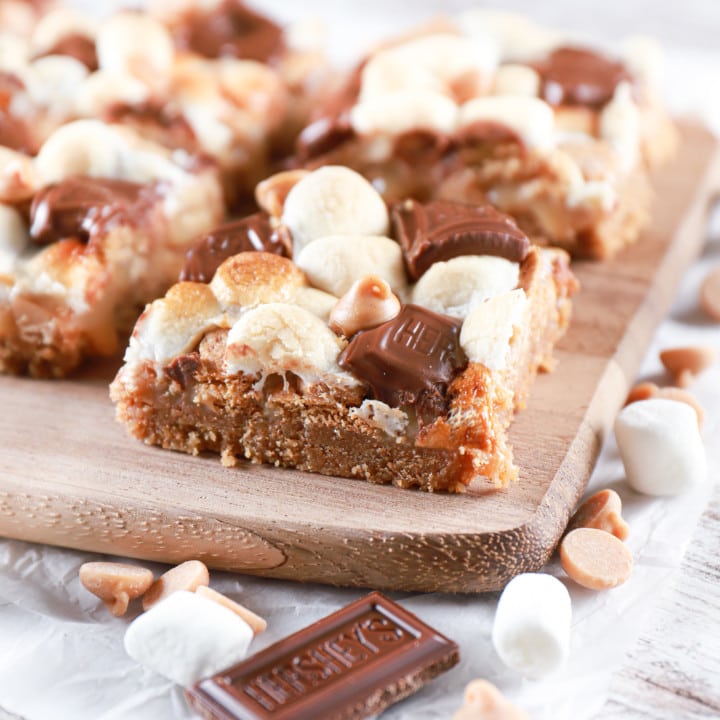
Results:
[489, 107]
[93, 227]
[393, 347]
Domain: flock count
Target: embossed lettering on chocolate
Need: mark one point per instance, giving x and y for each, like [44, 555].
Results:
[349, 665]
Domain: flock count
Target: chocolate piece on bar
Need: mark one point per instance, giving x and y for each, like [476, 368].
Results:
[251, 233]
[81, 206]
[441, 230]
[231, 29]
[77, 46]
[350, 665]
[409, 360]
[15, 134]
[577, 76]
[155, 120]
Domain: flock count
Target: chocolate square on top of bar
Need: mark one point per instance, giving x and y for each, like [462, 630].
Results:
[409, 360]
[351, 664]
[251, 233]
[441, 230]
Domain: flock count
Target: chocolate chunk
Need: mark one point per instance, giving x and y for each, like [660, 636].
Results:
[440, 230]
[350, 665]
[183, 368]
[251, 233]
[83, 207]
[409, 360]
[231, 29]
[15, 134]
[577, 76]
[77, 46]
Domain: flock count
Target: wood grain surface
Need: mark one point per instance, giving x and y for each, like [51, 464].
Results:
[70, 476]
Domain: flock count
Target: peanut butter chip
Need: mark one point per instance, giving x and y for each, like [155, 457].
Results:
[257, 623]
[710, 294]
[483, 701]
[115, 583]
[595, 559]
[684, 363]
[601, 511]
[186, 576]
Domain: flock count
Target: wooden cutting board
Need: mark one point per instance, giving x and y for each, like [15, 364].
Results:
[70, 476]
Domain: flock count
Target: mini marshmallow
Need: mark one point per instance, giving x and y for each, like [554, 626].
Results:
[531, 118]
[14, 238]
[487, 330]
[60, 23]
[188, 637]
[512, 79]
[620, 124]
[404, 111]
[279, 337]
[531, 631]
[456, 286]
[660, 446]
[333, 200]
[334, 263]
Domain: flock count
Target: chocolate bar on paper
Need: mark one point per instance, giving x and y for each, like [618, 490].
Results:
[349, 665]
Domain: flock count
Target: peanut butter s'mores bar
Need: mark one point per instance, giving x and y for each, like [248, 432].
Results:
[492, 108]
[332, 334]
[92, 228]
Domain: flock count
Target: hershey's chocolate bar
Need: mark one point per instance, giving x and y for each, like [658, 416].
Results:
[351, 664]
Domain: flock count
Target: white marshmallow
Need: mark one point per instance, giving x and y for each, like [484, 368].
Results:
[487, 330]
[188, 637]
[13, 238]
[102, 89]
[278, 337]
[334, 263]
[136, 44]
[512, 79]
[333, 200]
[660, 446]
[456, 286]
[61, 23]
[403, 111]
[620, 124]
[531, 631]
[531, 118]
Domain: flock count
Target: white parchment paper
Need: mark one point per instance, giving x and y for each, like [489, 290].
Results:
[61, 652]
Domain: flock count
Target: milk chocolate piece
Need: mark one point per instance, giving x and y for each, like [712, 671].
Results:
[156, 121]
[577, 76]
[349, 665]
[441, 230]
[82, 207]
[77, 46]
[409, 360]
[231, 29]
[251, 233]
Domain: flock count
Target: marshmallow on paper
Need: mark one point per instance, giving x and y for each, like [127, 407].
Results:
[187, 637]
[660, 446]
[531, 631]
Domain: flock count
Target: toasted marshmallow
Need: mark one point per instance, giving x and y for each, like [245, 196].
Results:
[456, 286]
[531, 630]
[315, 301]
[334, 263]
[620, 124]
[252, 278]
[660, 446]
[487, 330]
[174, 324]
[18, 178]
[102, 89]
[279, 338]
[188, 637]
[333, 200]
[531, 118]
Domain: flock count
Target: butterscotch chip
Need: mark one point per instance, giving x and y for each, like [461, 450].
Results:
[257, 623]
[684, 363]
[710, 294]
[483, 701]
[642, 391]
[674, 393]
[270, 194]
[186, 576]
[595, 559]
[601, 511]
[115, 583]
